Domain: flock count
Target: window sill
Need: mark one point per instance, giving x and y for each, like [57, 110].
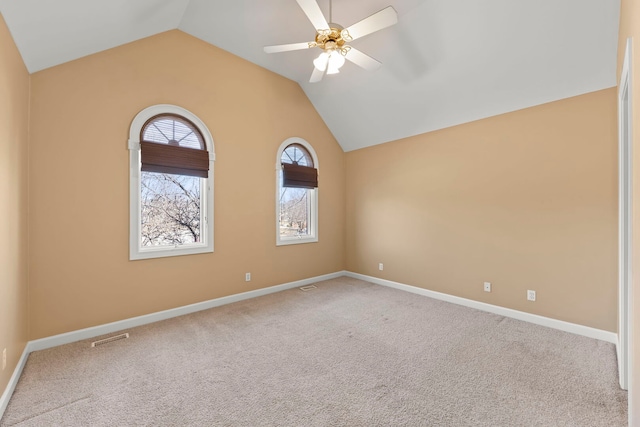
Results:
[151, 253]
[296, 241]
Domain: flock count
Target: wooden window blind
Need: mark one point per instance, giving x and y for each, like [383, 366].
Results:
[297, 176]
[162, 158]
[172, 144]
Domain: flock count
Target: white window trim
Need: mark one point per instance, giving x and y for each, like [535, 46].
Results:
[135, 250]
[313, 200]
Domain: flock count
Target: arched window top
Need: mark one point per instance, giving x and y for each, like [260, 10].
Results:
[173, 130]
[185, 118]
[296, 149]
[296, 154]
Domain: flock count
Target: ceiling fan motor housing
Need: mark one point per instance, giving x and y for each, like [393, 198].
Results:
[333, 38]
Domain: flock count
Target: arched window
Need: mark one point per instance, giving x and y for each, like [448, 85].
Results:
[296, 193]
[171, 184]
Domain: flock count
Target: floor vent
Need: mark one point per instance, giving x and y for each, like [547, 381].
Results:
[110, 339]
[308, 288]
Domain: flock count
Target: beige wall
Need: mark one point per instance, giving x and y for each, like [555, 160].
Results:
[630, 27]
[80, 117]
[525, 200]
[14, 119]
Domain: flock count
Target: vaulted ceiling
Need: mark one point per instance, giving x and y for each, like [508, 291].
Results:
[446, 62]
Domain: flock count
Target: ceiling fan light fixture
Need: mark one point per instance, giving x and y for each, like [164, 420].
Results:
[321, 61]
[333, 70]
[336, 60]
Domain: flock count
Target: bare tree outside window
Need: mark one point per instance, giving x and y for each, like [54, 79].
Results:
[294, 211]
[170, 209]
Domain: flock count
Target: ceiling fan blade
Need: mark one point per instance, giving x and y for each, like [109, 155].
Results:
[286, 47]
[316, 76]
[363, 60]
[313, 12]
[379, 20]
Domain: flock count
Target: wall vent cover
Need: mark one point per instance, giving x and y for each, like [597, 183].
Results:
[110, 339]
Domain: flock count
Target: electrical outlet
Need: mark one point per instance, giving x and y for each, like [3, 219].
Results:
[487, 287]
[531, 295]
[4, 359]
[247, 277]
[380, 266]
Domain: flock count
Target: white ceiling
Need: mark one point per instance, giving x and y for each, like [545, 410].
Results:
[446, 62]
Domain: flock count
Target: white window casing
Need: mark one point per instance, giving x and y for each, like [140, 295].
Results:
[312, 197]
[136, 251]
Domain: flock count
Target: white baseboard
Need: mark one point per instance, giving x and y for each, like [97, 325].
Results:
[586, 331]
[13, 381]
[108, 328]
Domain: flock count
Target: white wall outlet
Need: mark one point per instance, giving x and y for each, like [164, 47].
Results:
[4, 359]
[381, 266]
[247, 277]
[487, 286]
[531, 295]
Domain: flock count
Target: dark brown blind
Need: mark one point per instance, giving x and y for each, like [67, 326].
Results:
[299, 176]
[163, 158]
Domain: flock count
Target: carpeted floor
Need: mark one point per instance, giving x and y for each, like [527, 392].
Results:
[348, 353]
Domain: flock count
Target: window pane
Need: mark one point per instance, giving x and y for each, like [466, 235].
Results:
[296, 154]
[169, 209]
[294, 212]
[172, 130]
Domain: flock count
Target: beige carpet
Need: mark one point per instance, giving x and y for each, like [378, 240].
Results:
[348, 353]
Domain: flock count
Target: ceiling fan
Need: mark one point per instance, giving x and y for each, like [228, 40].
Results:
[332, 39]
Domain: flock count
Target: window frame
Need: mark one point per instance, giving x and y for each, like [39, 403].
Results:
[312, 196]
[136, 251]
